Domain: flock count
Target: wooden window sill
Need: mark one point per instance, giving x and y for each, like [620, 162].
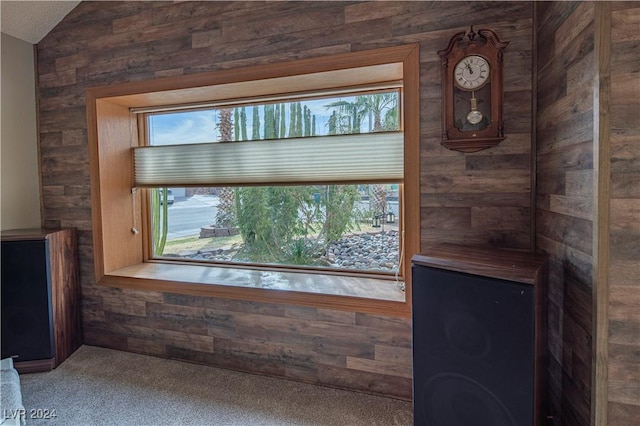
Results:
[362, 294]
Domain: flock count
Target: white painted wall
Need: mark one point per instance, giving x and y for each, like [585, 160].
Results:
[19, 176]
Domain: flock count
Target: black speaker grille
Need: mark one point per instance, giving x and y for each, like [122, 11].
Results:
[27, 331]
[473, 350]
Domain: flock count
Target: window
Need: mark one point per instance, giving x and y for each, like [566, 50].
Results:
[325, 193]
[325, 225]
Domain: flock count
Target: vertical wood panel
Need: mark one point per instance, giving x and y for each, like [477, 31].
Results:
[601, 241]
[115, 149]
[63, 246]
[622, 305]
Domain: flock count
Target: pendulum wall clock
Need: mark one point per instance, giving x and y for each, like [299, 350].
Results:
[472, 91]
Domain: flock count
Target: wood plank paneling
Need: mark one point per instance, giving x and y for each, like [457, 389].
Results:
[589, 208]
[468, 181]
[483, 198]
[564, 214]
[623, 387]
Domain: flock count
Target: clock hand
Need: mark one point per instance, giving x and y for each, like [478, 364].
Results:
[469, 68]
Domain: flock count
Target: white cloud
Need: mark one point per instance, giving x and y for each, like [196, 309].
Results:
[183, 128]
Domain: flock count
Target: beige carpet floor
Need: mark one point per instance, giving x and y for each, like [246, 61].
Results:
[98, 386]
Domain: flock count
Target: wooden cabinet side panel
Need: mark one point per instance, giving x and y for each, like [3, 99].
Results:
[65, 291]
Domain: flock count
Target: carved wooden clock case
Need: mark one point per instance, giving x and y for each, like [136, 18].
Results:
[472, 91]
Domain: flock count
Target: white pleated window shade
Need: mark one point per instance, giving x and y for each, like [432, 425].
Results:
[353, 158]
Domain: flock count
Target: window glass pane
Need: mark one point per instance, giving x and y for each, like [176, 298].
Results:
[336, 115]
[334, 226]
[350, 227]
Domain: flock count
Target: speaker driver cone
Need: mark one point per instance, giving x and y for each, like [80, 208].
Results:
[455, 400]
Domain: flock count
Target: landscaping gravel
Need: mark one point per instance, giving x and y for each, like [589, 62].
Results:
[367, 250]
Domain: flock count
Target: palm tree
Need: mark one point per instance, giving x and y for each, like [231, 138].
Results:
[226, 214]
[346, 117]
[379, 104]
[375, 106]
[225, 124]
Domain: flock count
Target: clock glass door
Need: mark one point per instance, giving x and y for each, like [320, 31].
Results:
[472, 108]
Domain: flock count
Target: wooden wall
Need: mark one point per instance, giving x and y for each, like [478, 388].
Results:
[624, 271]
[564, 216]
[588, 206]
[482, 198]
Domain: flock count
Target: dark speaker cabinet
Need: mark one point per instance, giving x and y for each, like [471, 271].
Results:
[40, 297]
[478, 337]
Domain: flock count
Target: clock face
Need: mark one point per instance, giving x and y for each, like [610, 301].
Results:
[471, 72]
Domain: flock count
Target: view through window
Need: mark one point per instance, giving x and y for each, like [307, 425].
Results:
[326, 225]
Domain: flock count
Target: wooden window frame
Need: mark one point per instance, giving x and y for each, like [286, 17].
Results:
[113, 130]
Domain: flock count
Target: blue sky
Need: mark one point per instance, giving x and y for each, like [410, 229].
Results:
[201, 126]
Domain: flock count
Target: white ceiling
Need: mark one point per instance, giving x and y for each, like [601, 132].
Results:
[32, 20]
